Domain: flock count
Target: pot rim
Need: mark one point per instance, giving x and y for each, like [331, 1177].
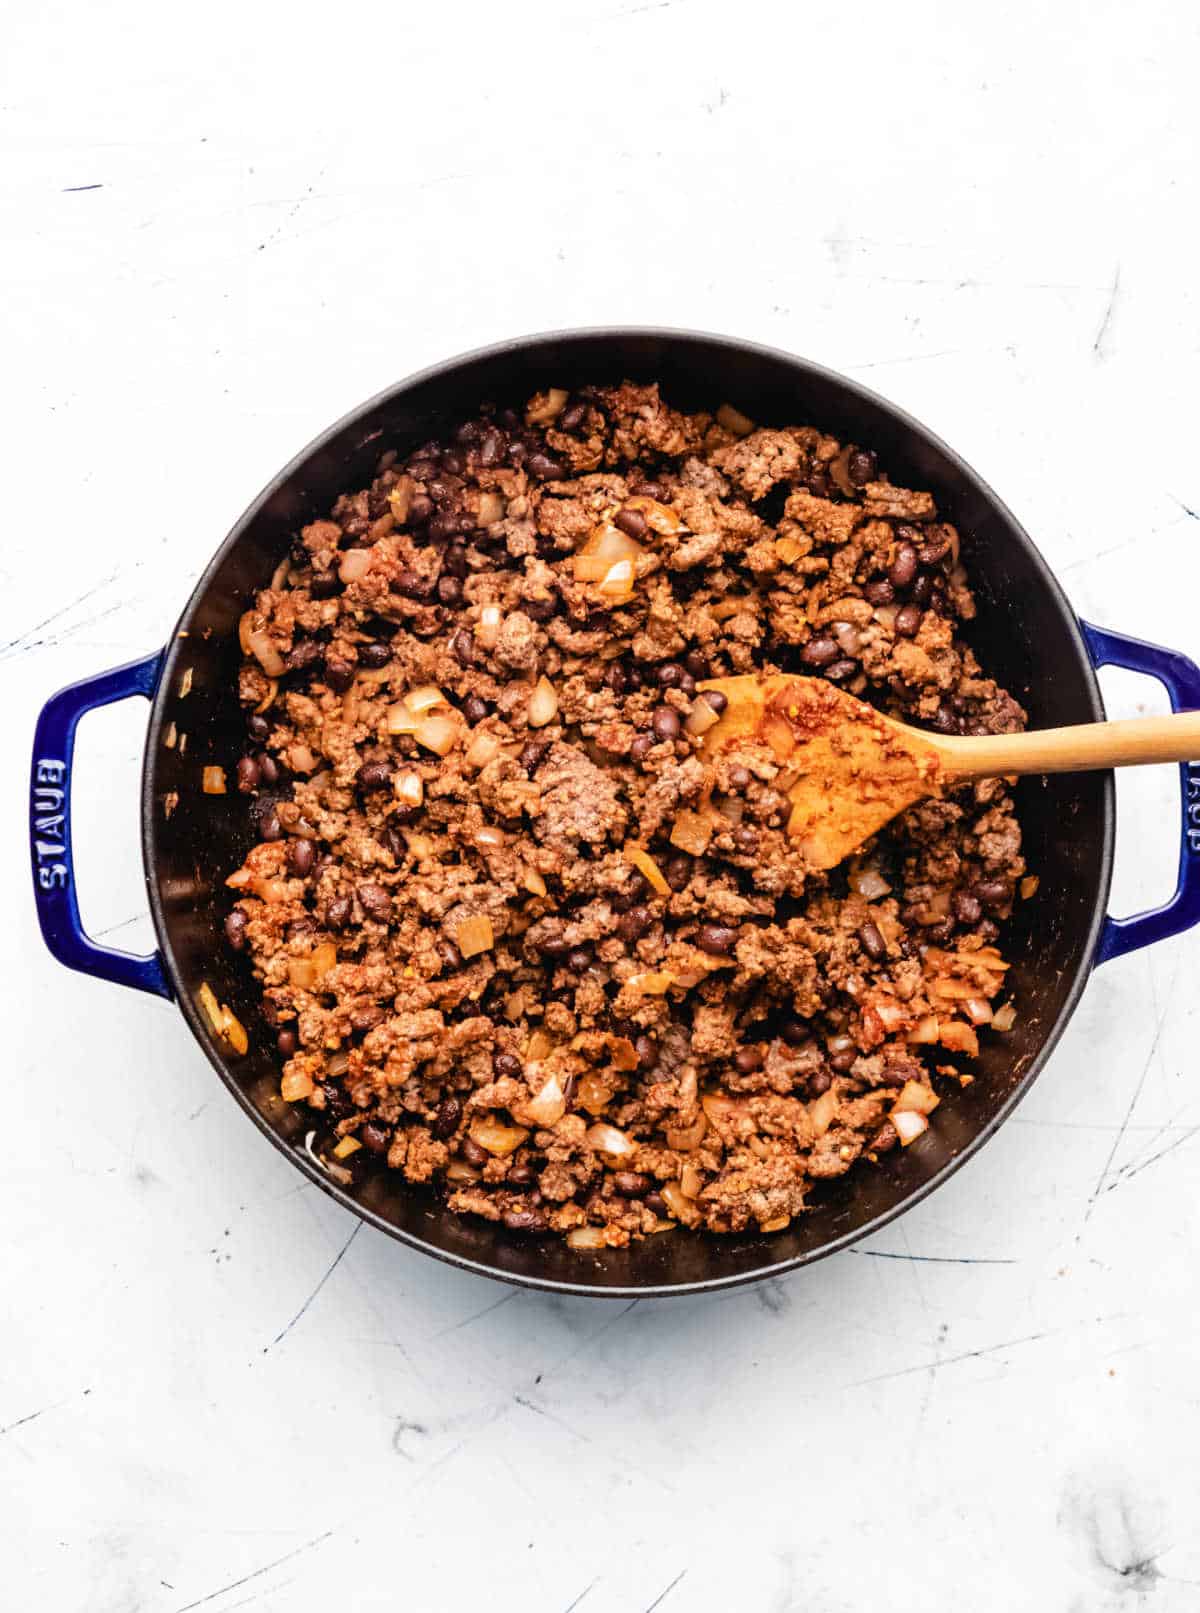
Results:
[298, 1157]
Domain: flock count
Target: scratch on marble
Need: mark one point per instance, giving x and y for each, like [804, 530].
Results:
[329, 1273]
[69, 190]
[1099, 347]
[936, 1260]
[966, 1355]
[570, 1607]
[258, 1572]
[1127, 1172]
[476, 1316]
[662, 1596]
[540, 1411]
[30, 1417]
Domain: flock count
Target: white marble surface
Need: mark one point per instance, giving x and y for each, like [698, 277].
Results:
[224, 227]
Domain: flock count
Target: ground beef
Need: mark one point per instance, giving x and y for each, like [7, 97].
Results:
[517, 936]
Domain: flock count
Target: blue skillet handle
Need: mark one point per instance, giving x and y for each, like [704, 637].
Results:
[50, 827]
[1181, 679]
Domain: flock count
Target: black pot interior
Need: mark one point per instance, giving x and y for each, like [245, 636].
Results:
[1025, 636]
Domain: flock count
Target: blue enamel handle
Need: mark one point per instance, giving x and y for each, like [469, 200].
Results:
[1181, 679]
[50, 828]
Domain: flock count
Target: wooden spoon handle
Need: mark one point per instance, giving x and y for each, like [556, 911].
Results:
[1074, 750]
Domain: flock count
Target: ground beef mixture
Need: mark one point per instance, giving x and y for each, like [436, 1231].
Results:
[517, 935]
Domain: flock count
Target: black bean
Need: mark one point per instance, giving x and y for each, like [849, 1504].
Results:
[412, 585]
[449, 590]
[944, 721]
[373, 776]
[794, 1031]
[748, 1059]
[992, 892]
[646, 1049]
[656, 1203]
[578, 959]
[301, 928]
[555, 944]
[506, 1064]
[491, 448]
[375, 1137]
[451, 957]
[716, 700]
[572, 417]
[818, 482]
[337, 912]
[631, 1184]
[269, 826]
[305, 654]
[376, 901]
[966, 908]
[843, 1062]
[473, 1153]
[904, 567]
[632, 522]
[633, 925]
[935, 548]
[678, 870]
[474, 709]
[543, 468]
[654, 490]
[668, 675]
[301, 856]
[462, 647]
[323, 584]
[860, 467]
[269, 768]
[375, 654]
[453, 464]
[641, 747]
[615, 678]
[745, 838]
[817, 1082]
[516, 454]
[716, 939]
[420, 508]
[665, 723]
[286, 1043]
[939, 932]
[366, 1016]
[258, 727]
[235, 929]
[820, 651]
[880, 593]
[524, 1221]
[541, 610]
[908, 620]
[922, 589]
[448, 1116]
[339, 674]
[870, 938]
[841, 670]
[446, 524]
[533, 753]
[247, 775]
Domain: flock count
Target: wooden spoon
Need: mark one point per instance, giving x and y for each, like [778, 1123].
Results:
[848, 769]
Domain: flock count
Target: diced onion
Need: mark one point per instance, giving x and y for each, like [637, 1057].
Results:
[869, 882]
[410, 788]
[345, 1147]
[459, 1171]
[475, 935]
[586, 1238]
[296, 1086]
[355, 565]
[606, 1139]
[593, 1093]
[339, 1063]
[234, 1031]
[426, 695]
[684, 1138]
[491, 508]
[848, 638]
[546, 407]
[691, 833]
[498, 1138]
[677, 1201]
[821, 1112]
[732, 606]
[978, 1010]
[214, 781]
[400, 497]
[549, 1106]
[420, 846]
[775, 1224]
[624, 1054]
[733, 420]
[690, 1181]
[606, 548]
[489, 838]
[207, 999]
[617, 582]
[543, 704]
[400, 720]
[925, 1030]
[533, 882]
[701, 718]
[484, 748]
[651, 982]
[488, 631]
[916, 1096]
[539, 1046]
[1004, 1018]
[265, 653]
[1029, 886]
[909, 1126]
[436, 734]
[646, 865]
[891, 1013]
[958, 1037]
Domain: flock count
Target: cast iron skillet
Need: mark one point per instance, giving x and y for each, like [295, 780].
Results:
[1026, 636]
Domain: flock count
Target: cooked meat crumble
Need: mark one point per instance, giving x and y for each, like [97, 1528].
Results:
[515, 932]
